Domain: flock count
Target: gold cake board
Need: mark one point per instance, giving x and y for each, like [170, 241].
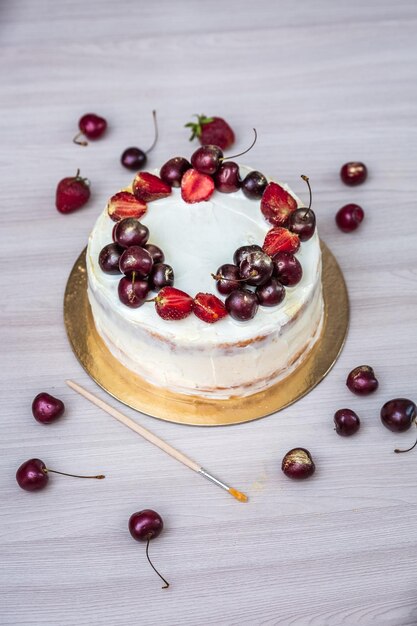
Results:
[133, 391]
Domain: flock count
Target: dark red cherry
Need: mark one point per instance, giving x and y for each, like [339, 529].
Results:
[130, 232]
[173, 170]
[349, 217]
[298, 464]
[144, 526]
[242, 304]
[91, 126]
[253, 185]
[162, 275]
[134, 158]
[109, 258]
[398, 414]
[155, 252]
[287, 268]
[303, 223]
[227, 178]
[228, 279]
[256, 268]
[46, 408]
[132, 291]
[242, 252]
[136, 259]
[32, 475]
[353, 173]
[346, 422]
[207, 159]
[270, 293]
[362, 380]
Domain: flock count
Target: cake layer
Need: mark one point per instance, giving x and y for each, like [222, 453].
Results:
[224, 359]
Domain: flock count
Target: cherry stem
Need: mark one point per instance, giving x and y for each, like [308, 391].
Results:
[307, 180]
[153, 566]
[155, 125]
[234, 156]
[236, 280]
[78, 142]
[407, 450]
[133, 279]
[47, 469]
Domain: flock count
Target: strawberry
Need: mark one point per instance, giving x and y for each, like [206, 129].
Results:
[280, 239]
[196, 187]
[124, 204]
[209, 308]
[212, 130]
[72, 193]
[173, 304]
[148, 187]
[277, 204]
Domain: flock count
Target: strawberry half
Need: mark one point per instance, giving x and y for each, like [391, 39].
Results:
[277, 204]
[148, 187]
[124, 204]
[173, 304]
[209, 308]
[72, 193]
[212, 130]
[196, 187]
[280, 239]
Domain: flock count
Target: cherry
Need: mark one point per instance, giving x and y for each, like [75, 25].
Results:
[227, 178]
[228, 278]
[303, 221]
[173, 170]
[287, 268]
[253, 185]
[353, 173]
[109, 258]
[132, 292]
[208, 158]
[256, 268]
[298, 464]
[162, 275]
[32, 475]
[398, 414]
[136, 259]
[362, 380]
[155, 252]
[46, 408]
[144, 526]
[91, 126]
[349, 217]
[242, 304]
[242, 252]
[346, 422]
[135, 158]
[270, 293]
[130, 232]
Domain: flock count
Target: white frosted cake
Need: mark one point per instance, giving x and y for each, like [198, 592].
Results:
[189, 356]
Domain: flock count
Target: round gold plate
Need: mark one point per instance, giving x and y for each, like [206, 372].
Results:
[132, 390]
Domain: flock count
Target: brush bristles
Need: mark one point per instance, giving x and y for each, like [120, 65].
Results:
[238, 495]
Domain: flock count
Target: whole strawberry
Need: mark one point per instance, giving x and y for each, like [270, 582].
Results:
[212, 130]
[72, 193]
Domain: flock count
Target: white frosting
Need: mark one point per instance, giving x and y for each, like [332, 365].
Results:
[189, 355]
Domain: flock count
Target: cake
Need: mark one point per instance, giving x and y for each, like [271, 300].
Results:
[220, 356]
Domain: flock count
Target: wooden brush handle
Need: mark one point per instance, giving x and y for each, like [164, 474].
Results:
[127, 421]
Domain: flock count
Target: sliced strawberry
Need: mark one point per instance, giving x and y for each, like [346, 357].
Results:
[280, 239]
[148, 187]
[173, 304]
[196, 187]
[212, 130]
[124, 204]
[277, 204]
[209, 308]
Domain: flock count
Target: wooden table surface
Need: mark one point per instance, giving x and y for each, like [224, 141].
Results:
[324, 83]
